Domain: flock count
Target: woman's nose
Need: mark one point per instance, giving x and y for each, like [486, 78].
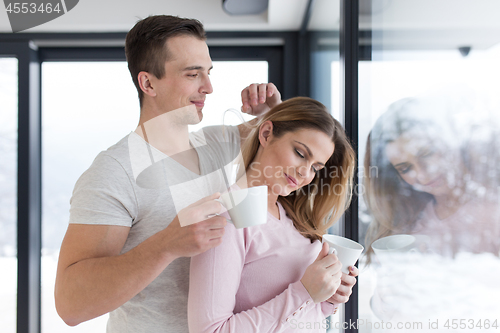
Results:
[423, 174]
[303, 171]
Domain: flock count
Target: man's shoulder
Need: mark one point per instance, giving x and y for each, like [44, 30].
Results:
[219, 133]
[116, 157]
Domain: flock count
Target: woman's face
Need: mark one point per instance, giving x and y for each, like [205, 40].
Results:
[427, 165]
[291, 161]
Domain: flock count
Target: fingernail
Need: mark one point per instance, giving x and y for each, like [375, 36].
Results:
[351, 268]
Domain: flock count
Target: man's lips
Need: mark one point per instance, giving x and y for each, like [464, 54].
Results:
[292, 181]
[199, 103]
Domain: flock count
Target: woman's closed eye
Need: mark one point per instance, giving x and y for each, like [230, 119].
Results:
[404, 169]
[302, 156]
[299, 153]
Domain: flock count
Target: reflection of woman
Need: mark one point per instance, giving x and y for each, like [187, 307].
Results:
[270, 278]
[420, 177]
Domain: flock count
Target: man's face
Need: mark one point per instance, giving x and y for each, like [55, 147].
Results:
[186, 81]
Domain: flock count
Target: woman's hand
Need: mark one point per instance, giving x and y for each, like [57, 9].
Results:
[345, 289]
[323, 277]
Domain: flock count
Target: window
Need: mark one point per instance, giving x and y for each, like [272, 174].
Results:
[8, 193]
[81, 117]
[431, 110]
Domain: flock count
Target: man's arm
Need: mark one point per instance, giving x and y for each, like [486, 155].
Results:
[93, 278]
[256, 100]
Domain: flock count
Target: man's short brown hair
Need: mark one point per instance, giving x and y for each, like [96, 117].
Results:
[145, 44]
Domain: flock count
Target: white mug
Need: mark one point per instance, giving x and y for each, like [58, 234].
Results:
[347, 250]
[393, 248]
[246, 207]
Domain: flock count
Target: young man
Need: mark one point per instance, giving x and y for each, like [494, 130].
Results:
[125, 251]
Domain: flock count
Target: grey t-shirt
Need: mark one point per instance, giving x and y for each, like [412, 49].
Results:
[132, 184]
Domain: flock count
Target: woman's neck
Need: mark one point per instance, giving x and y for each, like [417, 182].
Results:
[447, 205]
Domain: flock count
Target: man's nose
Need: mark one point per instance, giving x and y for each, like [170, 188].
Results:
[207, 88]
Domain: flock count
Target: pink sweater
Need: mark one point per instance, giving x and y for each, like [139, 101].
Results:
[474, 227]
[251, 282]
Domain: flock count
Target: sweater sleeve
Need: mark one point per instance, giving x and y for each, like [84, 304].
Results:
[214, 281]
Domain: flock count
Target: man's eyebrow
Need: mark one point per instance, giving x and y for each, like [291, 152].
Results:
[308, 151]
[193, 68]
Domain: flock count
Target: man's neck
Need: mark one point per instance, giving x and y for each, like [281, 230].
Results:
[163, 132]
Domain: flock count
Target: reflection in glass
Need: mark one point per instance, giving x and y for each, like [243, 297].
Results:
[429, 144]
[8, 193]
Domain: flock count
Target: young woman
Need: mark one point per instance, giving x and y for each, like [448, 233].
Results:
[277, 277]
[431, 169]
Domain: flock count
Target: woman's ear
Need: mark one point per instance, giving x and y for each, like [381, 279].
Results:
[265, 133]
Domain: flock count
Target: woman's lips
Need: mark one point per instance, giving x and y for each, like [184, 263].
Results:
[292, 181]
[435, 182]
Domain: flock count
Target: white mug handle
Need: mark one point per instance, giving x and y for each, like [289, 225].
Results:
[222, 203]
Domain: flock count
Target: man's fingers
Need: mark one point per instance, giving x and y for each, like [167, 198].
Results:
[271, 89]
[211, 197]
[245, 99]
[253, 94]
[262, 91]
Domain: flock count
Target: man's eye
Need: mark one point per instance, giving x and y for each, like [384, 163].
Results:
[193, 75]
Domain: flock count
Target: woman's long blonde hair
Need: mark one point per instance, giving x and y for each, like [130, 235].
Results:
[317, 206]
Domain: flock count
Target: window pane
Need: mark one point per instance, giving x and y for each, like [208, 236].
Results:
[8, 193]
[227, 90]
[431, 178]
[91, 110]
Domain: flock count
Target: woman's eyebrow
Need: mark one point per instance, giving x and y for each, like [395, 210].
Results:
[401, 164]
[309, 151]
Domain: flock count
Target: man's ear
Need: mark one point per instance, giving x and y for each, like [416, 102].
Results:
[145, 80]
[265, 133]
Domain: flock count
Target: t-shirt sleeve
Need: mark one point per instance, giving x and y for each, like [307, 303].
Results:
[215, 277]
[104, 195]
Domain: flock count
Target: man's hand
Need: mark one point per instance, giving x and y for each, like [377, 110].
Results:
[94, 277]
[257, 99]
[345, 288]
[191, 233]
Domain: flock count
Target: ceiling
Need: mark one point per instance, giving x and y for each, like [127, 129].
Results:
[455, 22]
